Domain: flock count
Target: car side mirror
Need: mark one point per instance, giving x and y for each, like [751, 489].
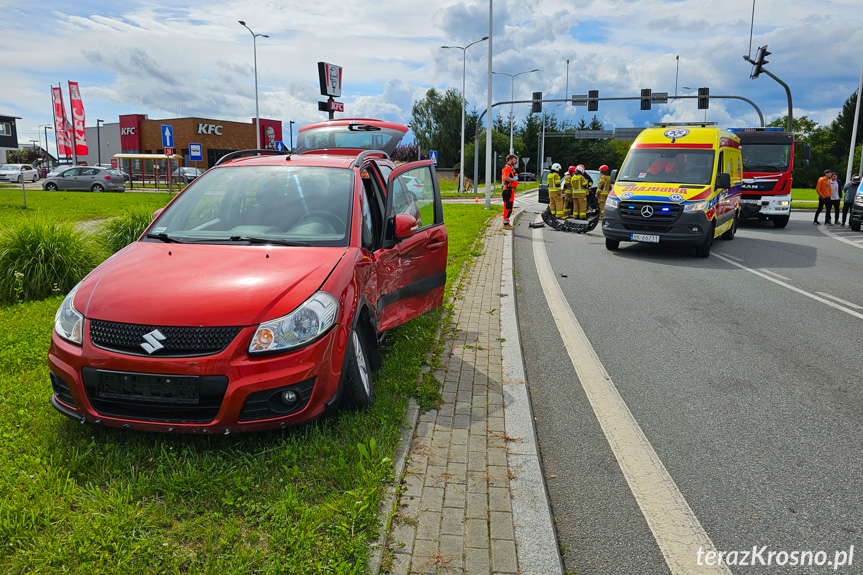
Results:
[406, 226]
[157, 213]
[613, 176]
[723, 181]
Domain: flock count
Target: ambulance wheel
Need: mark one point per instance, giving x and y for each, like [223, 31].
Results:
[611, 245]
[780, 221]
[729, 234]
[703, 250]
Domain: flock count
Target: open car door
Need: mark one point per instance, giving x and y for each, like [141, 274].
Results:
[412, 259]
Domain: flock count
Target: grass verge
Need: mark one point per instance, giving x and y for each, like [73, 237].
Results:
[86, 500]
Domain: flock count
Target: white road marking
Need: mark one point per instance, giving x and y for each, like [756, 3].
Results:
[791, 287]
[857, 243]
[674, 525]
[774, 274]
[734, 257]
[840, 300]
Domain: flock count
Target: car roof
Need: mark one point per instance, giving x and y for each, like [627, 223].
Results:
[306, 160]
[382, 135]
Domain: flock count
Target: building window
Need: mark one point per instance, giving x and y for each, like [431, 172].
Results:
[5, 129]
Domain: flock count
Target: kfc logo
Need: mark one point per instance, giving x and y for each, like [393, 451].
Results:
[330, 76]
[127, 132]
[210, 129]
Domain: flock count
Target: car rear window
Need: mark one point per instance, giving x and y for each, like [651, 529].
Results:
[353, 137]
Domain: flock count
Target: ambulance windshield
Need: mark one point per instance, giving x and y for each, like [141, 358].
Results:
[670, 166]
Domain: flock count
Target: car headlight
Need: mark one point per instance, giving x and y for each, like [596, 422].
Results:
[858, 199]
[695, 207]
[301, 326]
[68, 321]
[611, 203]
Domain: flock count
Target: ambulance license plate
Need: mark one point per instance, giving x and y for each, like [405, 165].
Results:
[644, 238]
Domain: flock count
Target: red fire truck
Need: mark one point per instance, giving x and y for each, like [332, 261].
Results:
[768, 163]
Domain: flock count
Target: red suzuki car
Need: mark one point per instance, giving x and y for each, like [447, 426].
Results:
[257, 297]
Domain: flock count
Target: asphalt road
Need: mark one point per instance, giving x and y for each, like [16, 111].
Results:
[742, 370]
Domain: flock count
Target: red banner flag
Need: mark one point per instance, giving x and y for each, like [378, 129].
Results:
[62, 127]
[78, 119]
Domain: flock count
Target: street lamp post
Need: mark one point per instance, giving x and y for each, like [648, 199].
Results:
[291, 135]
[47, 161]
[676, 74]
[255, 53]
[99, 140]
[511, 98]
[463, 103]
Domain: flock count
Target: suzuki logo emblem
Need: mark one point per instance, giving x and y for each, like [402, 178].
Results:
[151, 341]
[646, 211]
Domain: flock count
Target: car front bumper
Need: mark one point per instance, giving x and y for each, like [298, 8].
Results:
[224, 393]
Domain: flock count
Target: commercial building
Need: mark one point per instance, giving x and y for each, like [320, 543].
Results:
[8, 136]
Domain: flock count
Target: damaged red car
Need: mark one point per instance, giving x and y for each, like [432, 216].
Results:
[257, 298]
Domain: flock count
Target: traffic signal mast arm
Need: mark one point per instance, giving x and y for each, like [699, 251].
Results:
[758, 68]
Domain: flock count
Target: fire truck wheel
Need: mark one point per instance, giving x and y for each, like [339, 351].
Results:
[780, 221]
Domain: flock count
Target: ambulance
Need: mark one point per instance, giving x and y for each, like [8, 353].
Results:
[680, 184]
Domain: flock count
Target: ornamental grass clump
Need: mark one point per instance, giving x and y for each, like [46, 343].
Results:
[40, 258]
[121, 231]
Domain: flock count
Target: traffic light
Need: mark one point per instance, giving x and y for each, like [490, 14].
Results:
[536, 106]
[760, 60]
[592, 100]
[703, 98]
[645, 98]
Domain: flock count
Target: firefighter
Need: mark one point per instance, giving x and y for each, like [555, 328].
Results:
[566, 188]
[580, 185]
[602, 188]
[555, 199]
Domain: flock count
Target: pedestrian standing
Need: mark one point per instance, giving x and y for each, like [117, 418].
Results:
[509, 179]
[555, 198]
[566, 188]
[580, 185]
[850, 192]
[602, 188]
[822, 188]
[834, 199]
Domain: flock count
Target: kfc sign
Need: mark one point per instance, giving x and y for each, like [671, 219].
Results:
[330, 76]
[337, 106]
[127, 131]
[130, 132]
[210, 129]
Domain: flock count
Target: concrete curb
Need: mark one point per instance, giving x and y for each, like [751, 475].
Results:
[538, 550]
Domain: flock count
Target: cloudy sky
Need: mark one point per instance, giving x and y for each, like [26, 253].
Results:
[182, 58]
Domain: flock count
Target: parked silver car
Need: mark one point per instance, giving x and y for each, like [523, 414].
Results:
[186, 174]
[126, 175]
[18, 173]
[86, 178]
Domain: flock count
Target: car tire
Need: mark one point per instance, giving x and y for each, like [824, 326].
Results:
[855, 226]
[612, 245]
[780, 221]
[729, 234]
[97, 188]
[51, 187]
[20, 179]
[360, 387]
[703, 250]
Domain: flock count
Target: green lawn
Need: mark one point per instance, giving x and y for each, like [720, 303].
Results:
[85, 500]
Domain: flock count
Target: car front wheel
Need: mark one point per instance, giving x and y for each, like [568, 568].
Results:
[360, 387]
[612, 245]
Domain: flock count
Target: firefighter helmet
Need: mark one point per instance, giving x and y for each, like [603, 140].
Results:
[571, 169]
[555, 167]
[580, 169]
[603, 168]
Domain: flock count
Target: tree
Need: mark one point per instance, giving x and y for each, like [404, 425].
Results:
[436, 123]
[819, 138]
[840, 131]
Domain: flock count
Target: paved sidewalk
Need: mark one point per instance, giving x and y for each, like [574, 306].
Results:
[473, 499]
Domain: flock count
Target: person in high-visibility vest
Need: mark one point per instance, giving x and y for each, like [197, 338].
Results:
[509, 179]
[555, 198]
[579, 185]
[602, 188]
[566, 188]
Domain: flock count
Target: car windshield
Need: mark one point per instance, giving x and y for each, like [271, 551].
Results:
[671, 166]
[262, 204]
[766, 157]
[9, 167]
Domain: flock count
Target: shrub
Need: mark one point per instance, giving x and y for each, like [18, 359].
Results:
[121, 231]
[40, 258]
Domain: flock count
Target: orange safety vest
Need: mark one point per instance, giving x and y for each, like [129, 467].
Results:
[508, 172]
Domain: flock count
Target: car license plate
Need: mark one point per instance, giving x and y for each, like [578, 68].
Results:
[147, 387]
[645, 238]
[750, 201]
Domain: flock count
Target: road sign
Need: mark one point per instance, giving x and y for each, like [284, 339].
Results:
[659, 97]
[525, 160]
[167, 136]
[579, 100]
[195, 153]
[169, 151]
[593, 134]
[433, 156]
[280, 146]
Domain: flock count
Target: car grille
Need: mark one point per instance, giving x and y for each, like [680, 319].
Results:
[155, 397]
[128, 338]
[662, 217]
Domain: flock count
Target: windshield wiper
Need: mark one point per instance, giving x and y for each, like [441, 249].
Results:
[254, 240]
[166, 238]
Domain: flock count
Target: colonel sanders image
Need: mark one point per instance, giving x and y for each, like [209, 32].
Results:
[271, 138]
[333, 79]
